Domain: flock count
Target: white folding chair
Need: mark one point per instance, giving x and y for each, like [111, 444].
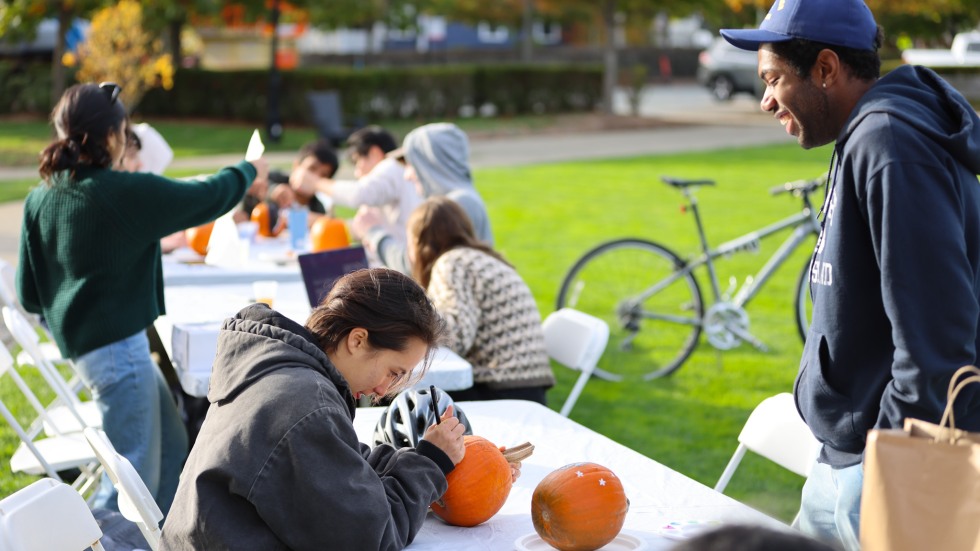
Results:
[135, 501]
[775, 431]
[47, 516]
[67, 413]
[37, 455]
[577, 341]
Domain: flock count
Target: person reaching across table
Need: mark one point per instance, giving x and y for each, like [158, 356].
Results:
[437, 157]
[895, 277]
[493, 320]
[90, 265]
[278, 465]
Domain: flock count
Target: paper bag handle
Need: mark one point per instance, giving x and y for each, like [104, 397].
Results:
[954, 391]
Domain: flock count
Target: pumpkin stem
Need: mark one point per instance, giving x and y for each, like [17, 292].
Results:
[520, 452]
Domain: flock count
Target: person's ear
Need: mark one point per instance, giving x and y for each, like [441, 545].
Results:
[357, 341]
[826, 69]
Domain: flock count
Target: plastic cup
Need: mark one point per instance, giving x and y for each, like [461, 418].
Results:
[265, 291]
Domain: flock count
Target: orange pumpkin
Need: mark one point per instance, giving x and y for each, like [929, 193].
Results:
[261, 216]
[478, 486]
[328, 233]
[579, 507]
[198, 237]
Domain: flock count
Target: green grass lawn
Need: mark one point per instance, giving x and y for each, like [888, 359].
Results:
[545, 216]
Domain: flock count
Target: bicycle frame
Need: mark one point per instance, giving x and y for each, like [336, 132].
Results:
[805, 222]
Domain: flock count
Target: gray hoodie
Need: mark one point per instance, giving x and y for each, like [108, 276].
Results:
[440, 154]
[277, 464]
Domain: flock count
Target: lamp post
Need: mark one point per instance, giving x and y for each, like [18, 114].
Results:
[273, 118]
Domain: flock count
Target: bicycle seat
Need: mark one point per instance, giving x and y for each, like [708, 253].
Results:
[679, 183]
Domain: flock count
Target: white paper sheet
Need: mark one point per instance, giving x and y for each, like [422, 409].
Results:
[255, 147]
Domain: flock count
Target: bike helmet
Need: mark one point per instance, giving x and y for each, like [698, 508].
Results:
[404, 422]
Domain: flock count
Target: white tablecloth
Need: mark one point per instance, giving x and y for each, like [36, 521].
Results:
[268, 258]
[189, 332]
[657, 494]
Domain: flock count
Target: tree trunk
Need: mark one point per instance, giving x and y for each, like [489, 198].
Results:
[174, 28]
[610, 68]
[57, 67]
[527, 38]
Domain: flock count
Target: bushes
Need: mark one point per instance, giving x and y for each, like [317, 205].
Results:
[374, 94]
[25, 87]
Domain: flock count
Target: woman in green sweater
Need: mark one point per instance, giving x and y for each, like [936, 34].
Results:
[90, 265]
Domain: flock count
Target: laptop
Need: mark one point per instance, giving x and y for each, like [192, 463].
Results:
[320, 270]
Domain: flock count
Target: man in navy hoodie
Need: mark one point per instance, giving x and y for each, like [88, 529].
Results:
[895, 277]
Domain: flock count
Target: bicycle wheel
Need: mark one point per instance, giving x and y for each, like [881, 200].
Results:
[804, 306]
[652, 305]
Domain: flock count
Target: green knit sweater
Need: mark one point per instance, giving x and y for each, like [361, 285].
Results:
[90, 247]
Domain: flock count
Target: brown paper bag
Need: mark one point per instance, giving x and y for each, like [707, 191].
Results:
[922, 484]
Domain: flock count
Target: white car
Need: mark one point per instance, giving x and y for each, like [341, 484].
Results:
[726, 70]
[964, 52]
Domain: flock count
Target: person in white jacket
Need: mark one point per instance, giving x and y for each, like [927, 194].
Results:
[380, 182]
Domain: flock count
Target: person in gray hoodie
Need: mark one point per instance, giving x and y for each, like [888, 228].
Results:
[438, 161]
[277, 464]
[895, 277]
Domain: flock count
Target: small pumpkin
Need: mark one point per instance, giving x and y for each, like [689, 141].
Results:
[328, 233]
[579, 507]
[478, 486]
[198, 237]
[263, 215]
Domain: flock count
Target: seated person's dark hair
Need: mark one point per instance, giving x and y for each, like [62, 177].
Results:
[801, 54]
[362, 139]
[751, 538]
[324, 153]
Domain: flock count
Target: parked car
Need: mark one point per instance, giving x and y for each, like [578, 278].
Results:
[964, 52]
[727, 70]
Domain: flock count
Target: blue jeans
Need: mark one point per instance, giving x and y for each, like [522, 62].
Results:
[831, 505]
[138, 415]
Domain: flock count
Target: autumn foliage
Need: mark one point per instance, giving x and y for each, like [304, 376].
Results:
[120, 50]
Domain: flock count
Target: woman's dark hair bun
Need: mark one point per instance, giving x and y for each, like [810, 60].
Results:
[60, 155]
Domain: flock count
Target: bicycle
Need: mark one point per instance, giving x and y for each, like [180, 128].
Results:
[651, 300]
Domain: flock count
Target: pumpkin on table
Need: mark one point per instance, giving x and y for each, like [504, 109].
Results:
[263, 215]
[478, 486]
[198, 237]
[579, 507]
[328, 233]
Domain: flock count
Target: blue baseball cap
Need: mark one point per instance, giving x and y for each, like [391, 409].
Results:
[847, 23]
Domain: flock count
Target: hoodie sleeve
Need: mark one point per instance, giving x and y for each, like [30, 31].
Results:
[917, 226]
[336, 495]
[376, 188]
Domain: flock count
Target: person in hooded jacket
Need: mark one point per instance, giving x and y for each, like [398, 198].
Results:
[895, 277]
[277, 464]
[438, 162]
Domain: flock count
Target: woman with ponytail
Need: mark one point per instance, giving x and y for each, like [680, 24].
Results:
[90, 265]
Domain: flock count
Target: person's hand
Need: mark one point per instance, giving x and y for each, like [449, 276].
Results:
[365, 219]
[515, 466]
[261, 168]
[447, 435]
[302, 179]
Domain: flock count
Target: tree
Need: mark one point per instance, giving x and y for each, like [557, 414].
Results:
[19, 20]
[167, 18]
[120, 50]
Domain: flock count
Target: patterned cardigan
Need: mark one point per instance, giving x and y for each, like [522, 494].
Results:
[493, 320]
